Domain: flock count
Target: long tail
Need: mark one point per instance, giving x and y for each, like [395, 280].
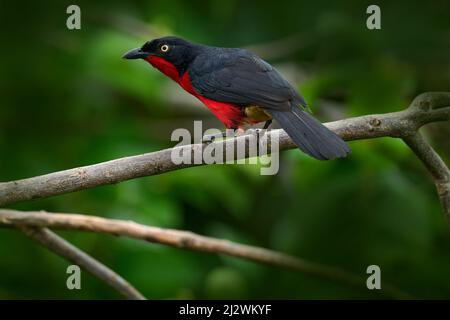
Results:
[310, 135]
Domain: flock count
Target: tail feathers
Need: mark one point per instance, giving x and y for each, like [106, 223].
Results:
[311, 136]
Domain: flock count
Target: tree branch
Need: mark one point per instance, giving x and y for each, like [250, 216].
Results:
[435, 165]
[65, 249]
[184, 240]
[428, 107]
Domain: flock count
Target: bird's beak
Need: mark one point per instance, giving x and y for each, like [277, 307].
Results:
[135, 54]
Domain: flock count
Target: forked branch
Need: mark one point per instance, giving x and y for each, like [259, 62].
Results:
[426, 108]
[183, 240]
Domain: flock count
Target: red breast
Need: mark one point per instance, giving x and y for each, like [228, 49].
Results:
[229, 114]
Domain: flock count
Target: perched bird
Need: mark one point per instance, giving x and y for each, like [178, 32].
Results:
[240, 88]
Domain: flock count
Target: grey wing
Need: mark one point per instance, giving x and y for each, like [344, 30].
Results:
[240, 77]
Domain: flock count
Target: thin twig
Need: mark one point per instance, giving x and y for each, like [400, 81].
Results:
[184, 240]
[65, 249]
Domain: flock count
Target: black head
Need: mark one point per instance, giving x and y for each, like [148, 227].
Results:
[175, 50]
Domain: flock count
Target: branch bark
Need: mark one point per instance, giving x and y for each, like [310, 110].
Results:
[65, 249]
[436, 166]
[183, 240]
[426, 108]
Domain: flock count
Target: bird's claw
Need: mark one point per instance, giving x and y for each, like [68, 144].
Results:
[257, 132]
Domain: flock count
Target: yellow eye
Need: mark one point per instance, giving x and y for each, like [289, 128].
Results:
[164, 48]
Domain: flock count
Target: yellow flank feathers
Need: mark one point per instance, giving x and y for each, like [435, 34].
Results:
[256, 114]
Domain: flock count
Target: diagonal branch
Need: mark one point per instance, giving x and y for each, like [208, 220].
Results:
[428, 107]
[65, 249]
[184, 240]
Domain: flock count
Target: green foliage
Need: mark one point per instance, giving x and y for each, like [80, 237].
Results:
[68, 99]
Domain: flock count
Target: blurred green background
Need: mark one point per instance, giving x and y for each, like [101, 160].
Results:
[68, 99]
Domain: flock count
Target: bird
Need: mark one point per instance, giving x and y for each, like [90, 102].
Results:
[240, 89]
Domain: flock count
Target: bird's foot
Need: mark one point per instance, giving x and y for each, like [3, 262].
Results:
[249, 132]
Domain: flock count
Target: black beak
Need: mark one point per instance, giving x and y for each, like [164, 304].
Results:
[135, 54]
